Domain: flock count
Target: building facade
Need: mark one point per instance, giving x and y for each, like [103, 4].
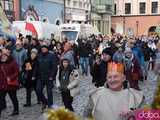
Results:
[77, 11]
[43, 10]
[17, 9]
[11, 8]
[8, 7]
[136, 17]
[101, 15]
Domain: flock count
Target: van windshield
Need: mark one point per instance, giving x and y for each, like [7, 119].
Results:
[70, 35]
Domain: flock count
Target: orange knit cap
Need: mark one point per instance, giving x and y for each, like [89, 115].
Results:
[118, 67]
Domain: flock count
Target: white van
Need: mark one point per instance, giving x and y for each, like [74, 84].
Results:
[73, 31]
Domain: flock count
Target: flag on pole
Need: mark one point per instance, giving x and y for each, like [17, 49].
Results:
[30, 27]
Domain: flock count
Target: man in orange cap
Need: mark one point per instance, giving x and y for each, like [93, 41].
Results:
[108, 102]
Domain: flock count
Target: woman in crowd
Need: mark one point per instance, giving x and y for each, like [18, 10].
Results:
[30, 75]
[8, 80]
[52, 45]
[132, 69]
[68, 79]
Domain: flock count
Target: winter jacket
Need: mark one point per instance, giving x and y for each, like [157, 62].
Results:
[64, 75]
[84, 50]
[139, 55]
[47, 66]
[148, 53]
[8, 69]
[99, 73]
[32, 73]
[20, 56]
[133, 69]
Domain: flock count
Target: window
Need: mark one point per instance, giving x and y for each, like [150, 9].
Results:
[68, 2]
[88, 6]
[127, 8]
[8, 5]
[142, 8]
[84, 5]
[115, 9]
[154, 7]
[75, 3]
[71, 35]
[108, 8]
[80, 4]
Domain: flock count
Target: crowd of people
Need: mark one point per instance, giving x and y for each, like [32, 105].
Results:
[114, 63]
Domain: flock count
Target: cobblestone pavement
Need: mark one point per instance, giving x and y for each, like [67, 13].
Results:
[149, 87]
[33, 113]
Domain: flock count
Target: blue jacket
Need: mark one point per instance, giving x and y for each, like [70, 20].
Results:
[139, 55]
[20, 56]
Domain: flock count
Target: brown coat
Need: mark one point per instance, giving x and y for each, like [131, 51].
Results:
[134, 74]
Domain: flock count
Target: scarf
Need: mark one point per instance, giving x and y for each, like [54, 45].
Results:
[128, 62]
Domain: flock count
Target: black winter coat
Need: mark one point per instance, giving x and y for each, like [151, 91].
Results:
[64, 75]
[147, 53]
[99, 73]
[29, 82]
[47, 66]
[84, 50]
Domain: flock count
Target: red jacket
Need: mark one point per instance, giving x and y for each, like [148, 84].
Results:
[8, 69]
